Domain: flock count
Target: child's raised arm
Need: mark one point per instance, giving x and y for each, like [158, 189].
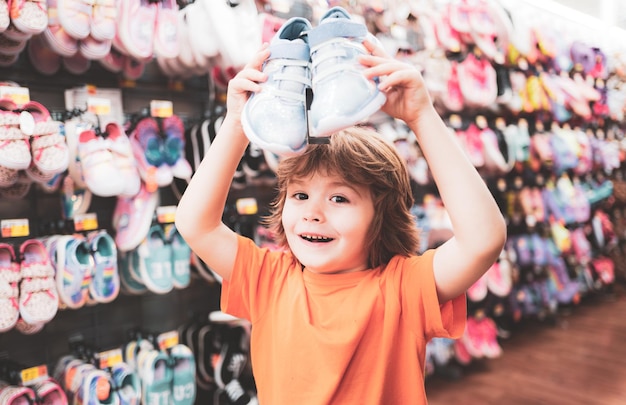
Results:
[478, 226]
[199, 213]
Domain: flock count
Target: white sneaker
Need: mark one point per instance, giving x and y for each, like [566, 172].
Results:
[342, 95]
[274, 119]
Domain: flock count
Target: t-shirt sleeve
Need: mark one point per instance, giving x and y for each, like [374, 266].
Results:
[422, 304]
[256, 271]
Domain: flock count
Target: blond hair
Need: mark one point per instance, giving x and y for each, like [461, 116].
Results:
[359, 156]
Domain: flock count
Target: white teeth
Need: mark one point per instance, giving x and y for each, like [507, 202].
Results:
[316, 238]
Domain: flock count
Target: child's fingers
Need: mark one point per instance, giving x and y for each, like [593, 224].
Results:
[256, 62]
[374, 48]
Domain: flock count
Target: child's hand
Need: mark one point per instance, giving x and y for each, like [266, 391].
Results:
[401, 82]
[246, 82]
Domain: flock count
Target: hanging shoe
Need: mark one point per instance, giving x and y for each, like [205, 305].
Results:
[342, 95]
[275, 118]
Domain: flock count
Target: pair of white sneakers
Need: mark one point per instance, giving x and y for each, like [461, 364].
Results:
[324, 60]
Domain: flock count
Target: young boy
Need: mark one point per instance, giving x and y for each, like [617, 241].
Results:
[342, 316]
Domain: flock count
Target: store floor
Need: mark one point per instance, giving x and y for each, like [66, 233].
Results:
[579, 359]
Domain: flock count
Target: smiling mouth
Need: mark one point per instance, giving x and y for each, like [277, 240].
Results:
[316, 239]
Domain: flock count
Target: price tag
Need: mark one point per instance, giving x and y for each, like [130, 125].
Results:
[161, 108]
[99, 105]
[166, 214]
[33, 375]
[247, 206]
[110, 358]
[19, 95]
[167, 340]
[14, 228]
[86, 222]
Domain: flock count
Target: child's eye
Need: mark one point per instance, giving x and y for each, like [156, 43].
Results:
[338, 199]
[300, 196]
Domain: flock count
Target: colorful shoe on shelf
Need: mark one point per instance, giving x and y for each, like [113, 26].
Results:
[342, 95]
[73, 270]
[181, 258]
[49, 392]
[98, 166]
[128, 384]
[15, 394]
[105, 282]
[39, 300]
[9, 291]
[103, 19]
[156, 377]
[132, 217]
[136, 27]
[155, 261]
[183, 375]
[147, 145]
[129, 284]
[122, 150]
[174, 147]
[275, 118]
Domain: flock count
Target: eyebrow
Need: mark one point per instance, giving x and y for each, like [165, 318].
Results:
[299, 182]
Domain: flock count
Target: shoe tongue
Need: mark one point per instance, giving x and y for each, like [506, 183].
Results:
[297, 49]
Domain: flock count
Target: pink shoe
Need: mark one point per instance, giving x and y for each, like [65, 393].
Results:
[166, 29]
[75, 17]
[10, 46]
[459, 14]
[5, 19]
[99, 170]
[92, 48]
[39, 300]
[120, 146]
[478, 291]
[500, 277]
[30, 17]
[489, 338]
[453, 98]
[50, 392]
[174, 147]
[9, 292]
[43, 58]
[148, 151]
[132, 218]
[472, 338]
[13, 394]
[76, 64]
[114, 61]
[14, 145]
[103, 19]
[49, 150]
[136, 29]
[133, 68]
[56, 37]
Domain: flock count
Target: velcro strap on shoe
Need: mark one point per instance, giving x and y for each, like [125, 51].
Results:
[37, 270]
[46, 127]
[290, 50]
[10, 274]
[11, 133]
[46, 141]
[9, 290]
[344, 29]
[29, 285]
[9, 118]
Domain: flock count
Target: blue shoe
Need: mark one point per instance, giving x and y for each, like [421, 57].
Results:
[105, 284]
[155, 262]
[274, 119]
[342, 95]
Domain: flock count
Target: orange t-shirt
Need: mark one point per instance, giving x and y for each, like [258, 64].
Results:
[354, 338]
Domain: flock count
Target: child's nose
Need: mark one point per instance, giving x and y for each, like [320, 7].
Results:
[312, 213]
